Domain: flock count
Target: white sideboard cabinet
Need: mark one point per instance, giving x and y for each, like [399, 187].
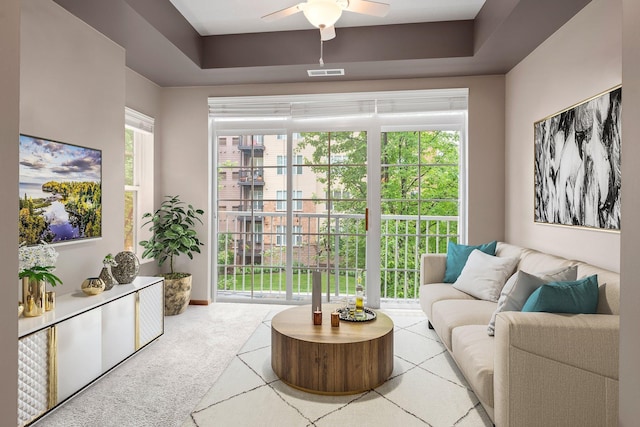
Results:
[68, 348]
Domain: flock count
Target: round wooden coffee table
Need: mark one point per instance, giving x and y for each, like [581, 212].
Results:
[351, 358]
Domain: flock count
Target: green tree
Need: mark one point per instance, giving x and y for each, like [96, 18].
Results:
[419, 176]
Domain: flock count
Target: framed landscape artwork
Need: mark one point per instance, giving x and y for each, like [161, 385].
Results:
[60, 191]
[577, 164]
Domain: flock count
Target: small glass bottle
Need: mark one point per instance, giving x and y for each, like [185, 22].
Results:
[359, 301]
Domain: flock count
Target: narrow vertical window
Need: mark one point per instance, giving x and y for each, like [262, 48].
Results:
[281, 162]
[138, 177]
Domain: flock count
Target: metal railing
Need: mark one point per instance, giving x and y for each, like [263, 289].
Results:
[252, 261]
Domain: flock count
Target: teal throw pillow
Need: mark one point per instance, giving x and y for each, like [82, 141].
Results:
[576, 297]
[457, 258]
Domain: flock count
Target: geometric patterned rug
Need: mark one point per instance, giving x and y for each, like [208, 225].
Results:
[425, 389]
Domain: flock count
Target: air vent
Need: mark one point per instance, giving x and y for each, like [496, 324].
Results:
[326, 73]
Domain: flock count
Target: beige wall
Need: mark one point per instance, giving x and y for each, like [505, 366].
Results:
[582, 59]
[142, 94]
[9, 120]
[183, 165]
[72, 89]
[629, 265]
[186, 152]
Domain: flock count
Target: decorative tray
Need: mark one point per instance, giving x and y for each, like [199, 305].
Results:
[345, 315]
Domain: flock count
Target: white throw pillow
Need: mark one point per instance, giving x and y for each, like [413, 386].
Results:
[483, 276]
[520, 287]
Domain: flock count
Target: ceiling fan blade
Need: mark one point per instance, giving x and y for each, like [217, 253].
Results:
[327, 33]
[282, 13]
[368, 7]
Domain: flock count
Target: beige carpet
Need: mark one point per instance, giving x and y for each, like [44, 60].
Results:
[212, 367]
[159, 386]
[425, 389]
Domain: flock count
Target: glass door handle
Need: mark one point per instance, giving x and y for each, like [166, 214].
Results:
[366, 219]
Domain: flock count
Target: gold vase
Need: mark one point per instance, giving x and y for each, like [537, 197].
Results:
[50, 301]
[92, 286]
[33, 297]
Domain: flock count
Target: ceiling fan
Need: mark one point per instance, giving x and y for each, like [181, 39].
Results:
[323, 14]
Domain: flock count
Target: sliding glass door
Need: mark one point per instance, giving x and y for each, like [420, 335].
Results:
[306, 186]
[288, 205]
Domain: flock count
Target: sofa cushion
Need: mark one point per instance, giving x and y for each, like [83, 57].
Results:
[474, 353]
[575, 297]
[609, 287]
[484, 275]
[509, 250]
[532, 260]
[457, 257]
[433, 292]
[449, 314]
[520, 287]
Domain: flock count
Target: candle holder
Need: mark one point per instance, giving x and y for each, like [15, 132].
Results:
[317, 317]
[335, 319]
[50, 301]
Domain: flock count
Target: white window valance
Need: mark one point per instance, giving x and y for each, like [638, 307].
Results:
[359, 104]
[137, 120]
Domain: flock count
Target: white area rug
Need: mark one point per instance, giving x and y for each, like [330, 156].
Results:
[159, 386]
[425, 389]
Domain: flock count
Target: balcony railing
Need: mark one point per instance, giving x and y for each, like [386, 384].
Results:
[247, 143]
[258, 269]
[253, 176]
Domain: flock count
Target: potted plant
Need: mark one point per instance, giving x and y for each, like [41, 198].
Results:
[172, 227]
[36, 267]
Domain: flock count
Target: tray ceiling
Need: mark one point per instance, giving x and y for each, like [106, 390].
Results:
[224, 42]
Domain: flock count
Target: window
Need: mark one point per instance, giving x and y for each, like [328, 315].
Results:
[281, 200]
[338, 158]
[297, 200]
[336, 196]
[297, 165]
[257, 233]
[138, 180]
[297, 235]
[281, 233]
[256, 197]
[281, 162]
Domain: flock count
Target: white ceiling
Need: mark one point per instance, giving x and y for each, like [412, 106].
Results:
[215, 17]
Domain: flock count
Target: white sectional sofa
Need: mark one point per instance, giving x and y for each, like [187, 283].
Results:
[540, 369]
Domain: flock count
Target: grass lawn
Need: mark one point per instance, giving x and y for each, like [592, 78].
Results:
[276, 282]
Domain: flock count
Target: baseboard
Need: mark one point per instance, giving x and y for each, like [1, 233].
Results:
[199, 302]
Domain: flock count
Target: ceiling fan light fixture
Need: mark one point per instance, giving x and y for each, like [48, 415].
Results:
[322, 13]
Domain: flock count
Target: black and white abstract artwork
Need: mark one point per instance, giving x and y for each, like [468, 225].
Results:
[577, 164]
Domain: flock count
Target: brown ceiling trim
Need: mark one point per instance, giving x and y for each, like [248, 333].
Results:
[120, 21]
[162, 46]
[528, 23]
[165, 18]
[106, 16]
[354, 44]
[492, 14]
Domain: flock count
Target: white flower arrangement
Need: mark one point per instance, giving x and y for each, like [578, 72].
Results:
[38, 263]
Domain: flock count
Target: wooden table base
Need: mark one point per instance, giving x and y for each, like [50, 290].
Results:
[351, 358]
